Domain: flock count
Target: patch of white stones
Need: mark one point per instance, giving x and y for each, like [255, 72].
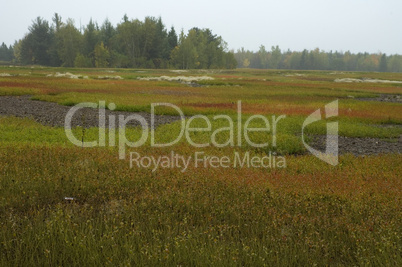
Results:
[67, 75]
[177, 78]
[364, 80]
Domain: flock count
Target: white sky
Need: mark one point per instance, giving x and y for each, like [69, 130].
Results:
[356, 25]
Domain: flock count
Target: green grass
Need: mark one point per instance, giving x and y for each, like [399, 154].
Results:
[123, 216]
[309, 213]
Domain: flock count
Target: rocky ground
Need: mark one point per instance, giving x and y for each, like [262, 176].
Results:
[53, 114]
[361, 146]
[383, 98]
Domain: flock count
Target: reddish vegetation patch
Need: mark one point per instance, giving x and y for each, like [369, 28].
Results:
[254, 108]
[315, 79]
[379, 115]
[344, 181]
[213, 105]
[277, 109]
[228, 76]
[19, 85]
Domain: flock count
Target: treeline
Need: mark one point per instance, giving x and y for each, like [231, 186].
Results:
[148, 44]
[6, 53]
[130, 44]
[317, 60]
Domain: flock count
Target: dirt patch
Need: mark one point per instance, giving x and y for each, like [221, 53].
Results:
[383, 98]
[361, 146]
[53, 114]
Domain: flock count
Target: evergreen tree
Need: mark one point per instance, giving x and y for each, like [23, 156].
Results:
[6, 53]
[263, 57]
[383, 63]
[36, 44]
[107, 34]
[172, 39]
[69, 41]
[102, 56]
[276, 56]
[54, 58]
[90, 40]
[57, 21]
[10, 55]
[25, 55]
[129, 40]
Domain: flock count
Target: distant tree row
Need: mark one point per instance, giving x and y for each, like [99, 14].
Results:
[317, 60]
[6, 53]
[148, 44]
[132, 43]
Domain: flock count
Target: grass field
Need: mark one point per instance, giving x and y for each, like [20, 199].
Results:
[309, 213]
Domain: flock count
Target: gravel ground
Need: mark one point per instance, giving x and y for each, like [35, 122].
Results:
[383, 98]
[53, 114]
[361, 146]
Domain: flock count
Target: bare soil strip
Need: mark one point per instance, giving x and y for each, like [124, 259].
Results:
[53, 114]
[361, 146]
[383, 98]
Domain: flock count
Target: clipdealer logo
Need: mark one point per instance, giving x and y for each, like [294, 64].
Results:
[237, 136]
[330, 155]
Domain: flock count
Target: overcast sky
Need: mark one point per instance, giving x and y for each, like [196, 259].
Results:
[356, 25]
